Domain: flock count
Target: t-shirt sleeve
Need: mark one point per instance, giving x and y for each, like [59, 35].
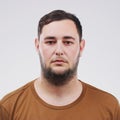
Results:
[3, 113]
[117, 112]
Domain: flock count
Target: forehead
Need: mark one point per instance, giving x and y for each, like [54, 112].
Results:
[60, 27]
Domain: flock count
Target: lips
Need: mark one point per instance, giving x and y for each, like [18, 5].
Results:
[59, 61]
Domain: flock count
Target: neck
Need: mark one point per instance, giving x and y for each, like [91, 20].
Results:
[58, 95]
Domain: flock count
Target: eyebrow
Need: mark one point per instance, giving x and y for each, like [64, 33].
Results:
[53, 38]
[68, 37]
[49, 37]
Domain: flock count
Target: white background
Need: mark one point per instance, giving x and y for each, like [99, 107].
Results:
[100, 63]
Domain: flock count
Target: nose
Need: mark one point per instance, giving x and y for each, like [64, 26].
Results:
[59, 49]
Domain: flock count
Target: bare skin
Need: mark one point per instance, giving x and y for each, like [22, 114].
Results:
[59, 42]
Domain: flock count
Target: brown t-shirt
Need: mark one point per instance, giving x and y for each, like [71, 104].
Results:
[3, 113]
[93, 104]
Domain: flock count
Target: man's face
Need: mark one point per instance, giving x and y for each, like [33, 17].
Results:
[59, 46]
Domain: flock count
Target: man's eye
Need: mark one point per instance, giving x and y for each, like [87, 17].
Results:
[68, 42]
[50, 42]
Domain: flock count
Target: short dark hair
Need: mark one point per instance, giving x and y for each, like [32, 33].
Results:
[57, 15]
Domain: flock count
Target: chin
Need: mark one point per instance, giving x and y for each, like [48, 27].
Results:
[59, 70]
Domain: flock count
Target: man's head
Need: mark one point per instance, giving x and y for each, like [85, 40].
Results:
[58, 15]
[59, 45]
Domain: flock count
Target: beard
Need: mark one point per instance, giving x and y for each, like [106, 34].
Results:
[58, 79]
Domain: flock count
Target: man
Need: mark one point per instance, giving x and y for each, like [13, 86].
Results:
[58, 94]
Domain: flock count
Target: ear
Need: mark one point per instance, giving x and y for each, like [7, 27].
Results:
[37, 46]
[82, 46]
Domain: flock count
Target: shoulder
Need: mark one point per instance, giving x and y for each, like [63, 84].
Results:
[105, 102]
[101, 96]
[12, 97]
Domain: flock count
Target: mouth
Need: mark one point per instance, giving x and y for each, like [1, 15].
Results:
[59, 61]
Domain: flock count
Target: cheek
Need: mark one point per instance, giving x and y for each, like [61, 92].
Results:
[45, 54]
[73, 54]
